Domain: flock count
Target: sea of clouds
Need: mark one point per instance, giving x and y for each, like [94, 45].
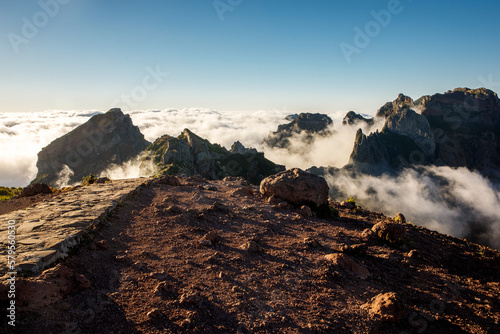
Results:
[451, 203]
[23, 135]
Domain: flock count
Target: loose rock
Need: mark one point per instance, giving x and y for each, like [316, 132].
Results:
[348, 264]
[386, 307]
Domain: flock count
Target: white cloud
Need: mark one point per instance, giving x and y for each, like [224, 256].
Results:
[452, 203]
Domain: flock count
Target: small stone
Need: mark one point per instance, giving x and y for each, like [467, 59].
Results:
[306, 211]
[140, 266]
[175, 210]
[162, 287]
[354, 249]
[154, 314]
[206, 243]
[243, 191]
[191, 298]
[347, 205]
[251, 247]
[211, 236]
[121, 258]
[170, 180]
[273, 200]
[148, 254]
[348, 264]
[102, 180]
[102, 244]
[311, 242]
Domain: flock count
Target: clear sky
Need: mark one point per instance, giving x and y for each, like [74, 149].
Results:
[242, 55]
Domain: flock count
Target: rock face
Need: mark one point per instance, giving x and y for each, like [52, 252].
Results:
[190, 154]
[298, 188]
[238, 147]
[352, 118]
[466, 127]
[90, 148]
[310, 124]
[460, 128]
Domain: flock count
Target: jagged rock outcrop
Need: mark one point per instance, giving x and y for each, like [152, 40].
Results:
[104, 139]
[310, 124]
[402, 102]
[460, 128]
[406, 139]
[190, 154]
[466, 127]
[352, 118]
[238, 147]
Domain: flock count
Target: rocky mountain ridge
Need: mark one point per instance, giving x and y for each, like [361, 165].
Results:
[191, 155]
[460, 128]
[308, 124]
[111, 139]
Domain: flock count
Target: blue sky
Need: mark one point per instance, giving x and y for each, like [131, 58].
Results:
[264, 54]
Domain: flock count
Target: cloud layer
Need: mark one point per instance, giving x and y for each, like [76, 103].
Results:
[449, 203]
[456, 201]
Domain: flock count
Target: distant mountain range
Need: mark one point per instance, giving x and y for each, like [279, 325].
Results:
[460, 128]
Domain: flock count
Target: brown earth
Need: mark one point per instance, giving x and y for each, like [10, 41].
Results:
[20, 203]
[216, 257]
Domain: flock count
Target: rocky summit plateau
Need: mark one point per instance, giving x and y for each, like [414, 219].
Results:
[224, 240]
[190, 255]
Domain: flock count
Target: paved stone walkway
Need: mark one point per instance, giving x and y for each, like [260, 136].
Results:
[47, 230]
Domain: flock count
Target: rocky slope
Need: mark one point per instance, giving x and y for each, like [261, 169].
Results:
[190, 255]
[309, 124]
[190, 155]
[460, 128]
[104, 139]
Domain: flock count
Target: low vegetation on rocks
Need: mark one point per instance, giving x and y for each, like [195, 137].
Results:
[7, 193]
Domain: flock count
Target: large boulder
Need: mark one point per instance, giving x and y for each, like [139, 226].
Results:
[104, 139]
[35, 189]
[309, 124]
[298, 188]
[189, 154]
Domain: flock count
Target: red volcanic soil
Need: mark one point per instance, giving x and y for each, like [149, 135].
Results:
[216, 257]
